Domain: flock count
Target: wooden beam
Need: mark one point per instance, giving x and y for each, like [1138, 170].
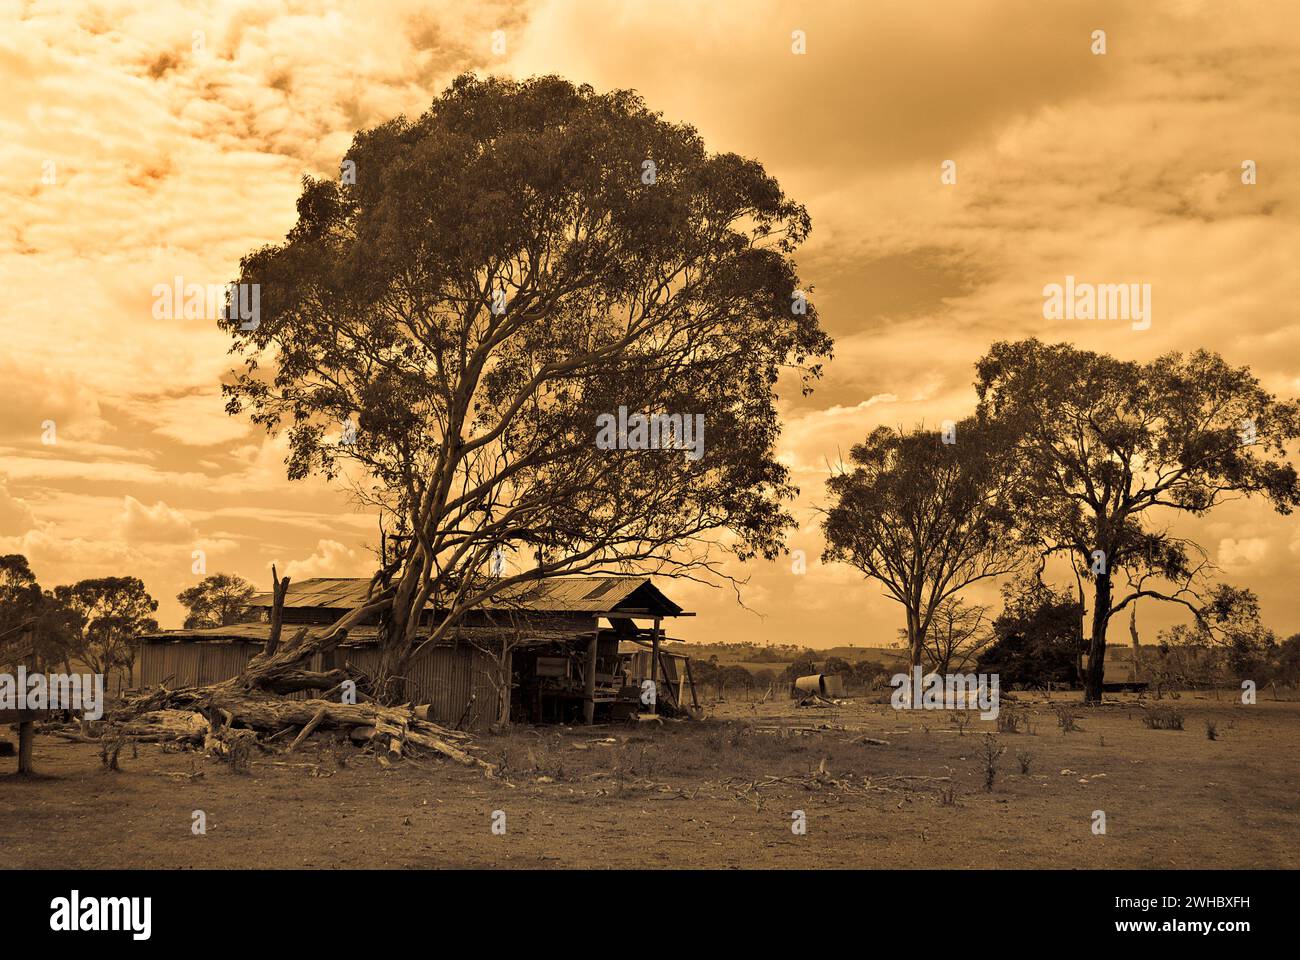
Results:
[654, 665]
[667, 685]
[589, 679]
[691, 680]
[643, 613]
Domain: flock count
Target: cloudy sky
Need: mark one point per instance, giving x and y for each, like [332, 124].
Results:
[148, 139]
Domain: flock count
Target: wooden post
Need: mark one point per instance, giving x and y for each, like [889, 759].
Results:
[654, 665]
[26, 735]
[589, 679]
[1137, 648]
[505, 694]
[668, 686]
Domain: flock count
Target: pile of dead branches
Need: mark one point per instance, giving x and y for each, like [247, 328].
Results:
[219, 721]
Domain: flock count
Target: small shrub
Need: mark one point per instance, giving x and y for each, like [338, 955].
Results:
[991, 752]
[1009, 721]
[1163, 718]
[1211, 730]
[948, 797]
[1066, 719]
[961, 719]
[1024, 758]
[108, 751]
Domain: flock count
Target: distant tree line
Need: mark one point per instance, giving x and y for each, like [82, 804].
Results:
[735, 678]
[97, 622]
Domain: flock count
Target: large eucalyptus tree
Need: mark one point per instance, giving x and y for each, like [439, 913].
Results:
[925, 513]
[455, 313]
[1109, 450]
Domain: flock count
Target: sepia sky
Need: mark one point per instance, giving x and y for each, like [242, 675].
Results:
[176, 134]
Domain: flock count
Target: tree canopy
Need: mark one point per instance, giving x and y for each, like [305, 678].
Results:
[924, 517]
[503, 271]
[36, 628]
[1229, 620]
[1103, 444]
[1037, 637]
[217, 600]
[113, 612]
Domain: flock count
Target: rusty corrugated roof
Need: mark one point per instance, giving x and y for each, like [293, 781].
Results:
[599, 595]
[256, 632]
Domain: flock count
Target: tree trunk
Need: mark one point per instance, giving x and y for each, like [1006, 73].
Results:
[1137, 650]
[1083, 612]
[914, 638]
[26, 735]
[167, 725]
[506, 671]
[279, 589]
[1097, 645]
[396, 643]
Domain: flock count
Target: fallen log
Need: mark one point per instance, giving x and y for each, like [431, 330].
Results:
[271, 713]
[167, 725]
[69, 735]
[398, 724]
[395, 732]
[437, 745]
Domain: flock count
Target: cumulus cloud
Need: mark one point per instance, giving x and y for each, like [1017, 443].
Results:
[330, 559]
[16, 517]
[1244, 552]
[156, 524]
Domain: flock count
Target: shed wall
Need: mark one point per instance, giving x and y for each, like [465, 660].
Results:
[455, 681]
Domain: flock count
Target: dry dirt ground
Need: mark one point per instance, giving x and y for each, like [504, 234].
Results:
[717, 793]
